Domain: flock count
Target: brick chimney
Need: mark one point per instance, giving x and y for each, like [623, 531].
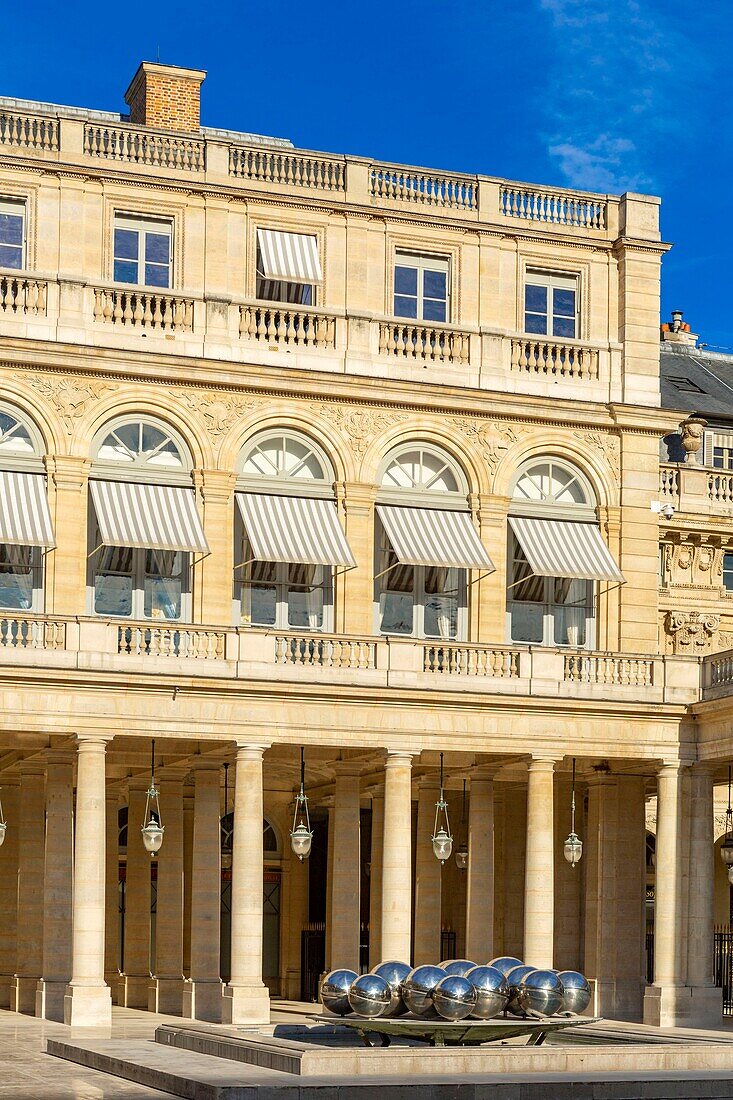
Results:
[678, 331]
[166, 96]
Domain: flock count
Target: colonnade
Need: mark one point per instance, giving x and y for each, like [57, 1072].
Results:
[521, 897]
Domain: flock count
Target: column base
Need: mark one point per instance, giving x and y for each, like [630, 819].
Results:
[683, 1006]
[23, 994]
[245, 1004]
[113, 980]
[202, 1000]
[88, 1006]
[132, 990]
[6, 985]
[165, 995]
[628, 1000]
[602, 1000]
[50, 999]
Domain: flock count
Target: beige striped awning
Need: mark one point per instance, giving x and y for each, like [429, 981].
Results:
[150, 517]
[289, 257]
[564, 548]
[299, 530]
[426, 536]
[25, 519]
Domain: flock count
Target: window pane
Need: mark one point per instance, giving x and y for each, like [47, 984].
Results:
[16, 577]
[441, 616]
[728, 572]
[157, 248]
[157, 275]
[526, 622]
[163, 584]
[112, 595]
[125, 271]
[563, 302]
[569, 625]
[435, 284]
[405, 307]
[535, 322]
[563, 326]
[535, 298]
[115, 559]
[433, 310]
[126, 244]
[11, 229]
[395, 613]
[405, 280]
[11, 256]
[305, 608]
[263, 604]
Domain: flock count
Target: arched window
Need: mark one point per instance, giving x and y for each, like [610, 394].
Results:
[270, 844]
[554, 507]
[143, 521]
[421, 516]
[286, 531]
[25, 519]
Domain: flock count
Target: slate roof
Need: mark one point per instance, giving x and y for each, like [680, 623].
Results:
[706, 388]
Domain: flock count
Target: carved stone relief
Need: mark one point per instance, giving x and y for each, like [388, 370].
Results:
[69, 397]
[693, 561]
[607, 446]
[492, 438]
[692, 632]
[360, 425]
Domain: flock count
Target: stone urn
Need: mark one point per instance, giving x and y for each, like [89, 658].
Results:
[692, 431]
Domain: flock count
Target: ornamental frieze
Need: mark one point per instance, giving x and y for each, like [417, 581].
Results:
[492, 438]
[607, 446]
[692, 632]
[360, 426]
[693, 562]
[69, 397]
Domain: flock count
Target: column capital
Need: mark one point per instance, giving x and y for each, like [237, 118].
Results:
[204, 765]
[248, 750]
[347, 768]
[542, 762]
[670, 768]
[399, 758]
[60, 756]
[93, 742]
[32, 767]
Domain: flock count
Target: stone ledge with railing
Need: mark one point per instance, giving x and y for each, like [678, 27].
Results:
[287, 326]
[696, 489]
[23, 295]
[138, 308]
[81, 140]
[238, 653]
[536, 355]
[426, 343]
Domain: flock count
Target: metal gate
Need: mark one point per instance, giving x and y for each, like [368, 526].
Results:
[723, 960]
[312, 959]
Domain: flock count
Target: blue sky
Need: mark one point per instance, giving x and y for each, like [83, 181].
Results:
[610, 96]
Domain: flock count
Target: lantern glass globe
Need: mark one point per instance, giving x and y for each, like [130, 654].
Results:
[442, 845]
[152, 835]
[461, 857]
[301, 839]
[573, 849]
[3, 829]
[726, 850]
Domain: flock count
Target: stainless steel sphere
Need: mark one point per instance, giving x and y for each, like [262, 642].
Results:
[542, 992]
[492, 991]
[417, 989]
[394, 973]
[575, 991]
[458, 966]
[454, 997]
[335, 991]
[370, 995]
[506, 963]
[514, 978]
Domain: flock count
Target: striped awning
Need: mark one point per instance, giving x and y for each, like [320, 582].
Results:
[25, 519]
[289, 257]
[299, 530]
[424, 536]
[563, 548]
[151, 517]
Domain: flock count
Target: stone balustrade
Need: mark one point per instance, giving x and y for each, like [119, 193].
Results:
[240, 653]
[720, 488]
[286, 168]
[552, 359]
[669, 483]
[417, 186]
[23, 295]
[136, 146]
[27, 131]
[554, 207]
[696, 490]
[427, 343]
[287, 326]
[137, 308]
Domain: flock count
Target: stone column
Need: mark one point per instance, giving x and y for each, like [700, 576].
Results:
[375, 880]
[630, 898]
[136, 977]
[569, 881]
[329, 888]
[480, 871]
[246, 999]
[29, 952]
[600, 855]
[539, 886]
[428, 878]
[165, 993]
[9, 891]
[87, 1002]
[513, 856]
[188, 808]
[112, 894]
[57, 886]
[706, 1007]
[346, 874]
[202, 992]
[662, 1000]
[397, 858]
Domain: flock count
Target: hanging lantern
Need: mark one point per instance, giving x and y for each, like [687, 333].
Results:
[301, 834]
[442, 839]
[461, 856]
[573, 847]
[726, 848]
[152, 831]
[3, 824]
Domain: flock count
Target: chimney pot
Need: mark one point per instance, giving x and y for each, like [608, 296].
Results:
[166, 96]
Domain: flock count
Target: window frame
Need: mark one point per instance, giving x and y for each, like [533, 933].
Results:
[550, 281]
[718, 439]
[16, 208]
[142, 224]
[727, 556]
[36, 565]
[138, 574]
[285, 298]
[108, 469]
[422, 262]
[27, 462]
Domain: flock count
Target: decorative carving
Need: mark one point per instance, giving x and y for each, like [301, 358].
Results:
[691, 632]
[694, 560]
[359, 425]
[69, 397]
[219, 411]
[608, 447]
[491, 437]
[692, 431]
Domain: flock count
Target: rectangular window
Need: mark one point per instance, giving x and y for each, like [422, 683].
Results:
[284, 594]
[12, 235]
[288, 267]
[139, 584]
[142, 252]
[551, 611]
[424, 601]
[728, 572]
[20, 577]
[421, 289]
[551, 305]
